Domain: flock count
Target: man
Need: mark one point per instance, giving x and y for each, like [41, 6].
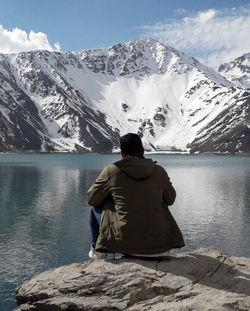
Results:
[130, 199]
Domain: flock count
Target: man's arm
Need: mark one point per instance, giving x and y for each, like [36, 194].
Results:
[169, 193]
[99, 191]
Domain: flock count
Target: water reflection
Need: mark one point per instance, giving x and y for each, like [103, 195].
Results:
[44, 221]
[44, 212]
[213, 206]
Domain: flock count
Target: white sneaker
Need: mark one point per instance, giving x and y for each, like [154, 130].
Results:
[93, 254]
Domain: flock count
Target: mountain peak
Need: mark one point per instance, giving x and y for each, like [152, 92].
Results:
[138, 58]
[238, 71]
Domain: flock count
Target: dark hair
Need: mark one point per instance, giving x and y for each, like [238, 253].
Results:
[131, 144]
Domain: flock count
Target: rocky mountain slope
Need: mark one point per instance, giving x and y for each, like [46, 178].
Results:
[238, 71]
[81, 102]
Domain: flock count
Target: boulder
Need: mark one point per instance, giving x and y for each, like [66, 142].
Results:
[205, 279]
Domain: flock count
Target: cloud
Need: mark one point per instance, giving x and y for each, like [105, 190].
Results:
[180, 11]
[18, 40]
[212, 36]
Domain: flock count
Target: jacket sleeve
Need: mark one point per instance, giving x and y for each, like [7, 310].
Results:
[169, 193]
[99, 191]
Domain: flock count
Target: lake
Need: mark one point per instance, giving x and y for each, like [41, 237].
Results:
[44, 211]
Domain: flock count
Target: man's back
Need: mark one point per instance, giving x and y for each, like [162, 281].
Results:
[135, 193]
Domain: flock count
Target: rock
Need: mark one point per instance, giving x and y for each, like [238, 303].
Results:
[205, 279]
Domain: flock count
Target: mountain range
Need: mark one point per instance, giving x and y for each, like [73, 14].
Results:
[83, 102]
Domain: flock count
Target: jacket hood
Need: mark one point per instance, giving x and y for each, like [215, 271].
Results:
[136, 167]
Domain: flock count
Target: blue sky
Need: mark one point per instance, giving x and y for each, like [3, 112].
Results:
[205, 29]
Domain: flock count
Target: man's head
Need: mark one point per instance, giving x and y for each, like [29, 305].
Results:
[131, 144]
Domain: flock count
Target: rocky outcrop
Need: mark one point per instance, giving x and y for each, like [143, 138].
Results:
[206, 279]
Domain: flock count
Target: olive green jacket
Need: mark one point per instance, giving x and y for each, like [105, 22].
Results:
[135, 194]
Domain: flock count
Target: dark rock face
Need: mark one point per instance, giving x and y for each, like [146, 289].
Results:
[229, 132]
[25, 125]
[20, 125]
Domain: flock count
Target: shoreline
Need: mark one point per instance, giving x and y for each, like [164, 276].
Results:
[239, 154]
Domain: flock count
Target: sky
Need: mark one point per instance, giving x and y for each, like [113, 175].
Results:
[215, 32]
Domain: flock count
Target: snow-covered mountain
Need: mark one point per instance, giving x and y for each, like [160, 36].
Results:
[85, 101]
[238, 71]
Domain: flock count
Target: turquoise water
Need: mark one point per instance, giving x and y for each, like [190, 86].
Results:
[44, 212]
